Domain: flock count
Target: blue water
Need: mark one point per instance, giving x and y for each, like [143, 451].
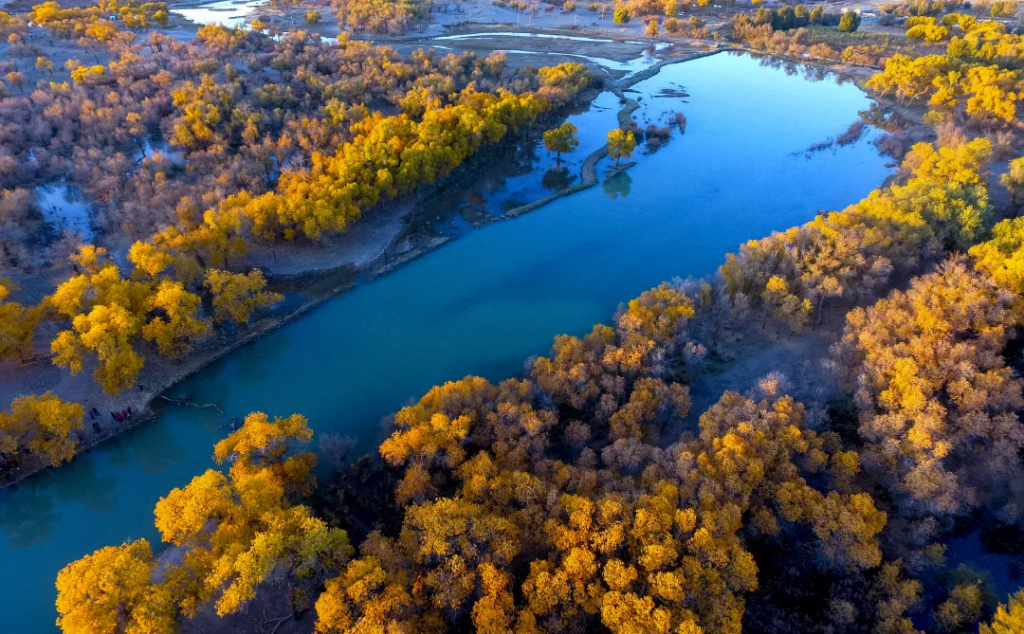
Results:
[522, 173]
[480, 305]
[999, 572]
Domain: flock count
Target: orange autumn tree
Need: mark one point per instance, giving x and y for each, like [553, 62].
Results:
[505, 528]
[112, 591]
[106, 311]
[237, 295]
[938, 403]
[17, 325]
[42, 426]
[238, 532]
[657, 552]
[1009, 618]
[241, 530]
[176, 326]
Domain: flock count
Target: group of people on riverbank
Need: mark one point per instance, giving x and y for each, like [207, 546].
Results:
[117, 417]
[121, 416]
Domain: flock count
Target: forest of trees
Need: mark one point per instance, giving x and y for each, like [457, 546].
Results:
[194, 153]
[585, 495]
[570, 498]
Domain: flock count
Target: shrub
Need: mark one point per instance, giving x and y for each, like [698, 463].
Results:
[849, 22]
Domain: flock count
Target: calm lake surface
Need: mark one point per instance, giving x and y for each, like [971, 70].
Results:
[480, 305]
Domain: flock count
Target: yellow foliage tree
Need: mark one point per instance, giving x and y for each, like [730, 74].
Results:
[242, 530]
[938, 402]
[112, 591]
[105, 331]
[1009, 618]
[621, 144]
[106, 313]
[177, 325]
[41, 425]
[237, 295]
[17, 325]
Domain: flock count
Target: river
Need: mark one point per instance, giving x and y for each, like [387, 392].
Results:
[480, 305]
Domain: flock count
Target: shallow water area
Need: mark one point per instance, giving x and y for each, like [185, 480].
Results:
[545, 36]
[481, 304]
[1001, 573]
[521, 172]
[226, 12]
[550, 36]
[66, 209]
[630, 67]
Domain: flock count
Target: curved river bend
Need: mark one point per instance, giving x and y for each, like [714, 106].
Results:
[480, 305]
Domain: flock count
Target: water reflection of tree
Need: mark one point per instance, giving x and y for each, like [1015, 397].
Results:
[816, 73]
[27, 516]
[810, 72]
[557, 179]
[81, 482]
[617, 186]
[474, 186]
[159, 451]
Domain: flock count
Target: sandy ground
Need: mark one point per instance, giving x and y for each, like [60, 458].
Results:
[317, 274]
[364, 243]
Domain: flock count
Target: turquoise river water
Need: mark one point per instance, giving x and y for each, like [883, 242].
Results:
[479, 305]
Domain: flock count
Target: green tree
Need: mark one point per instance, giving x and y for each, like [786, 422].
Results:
[849, 22]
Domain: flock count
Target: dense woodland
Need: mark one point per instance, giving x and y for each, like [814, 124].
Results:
[584, 495]
[193, 153]
[558, 501]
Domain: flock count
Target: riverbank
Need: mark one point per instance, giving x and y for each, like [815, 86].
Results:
[481, 305]
[309, 276]
[381, 242]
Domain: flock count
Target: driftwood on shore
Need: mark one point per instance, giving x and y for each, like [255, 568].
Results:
[185, 401]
